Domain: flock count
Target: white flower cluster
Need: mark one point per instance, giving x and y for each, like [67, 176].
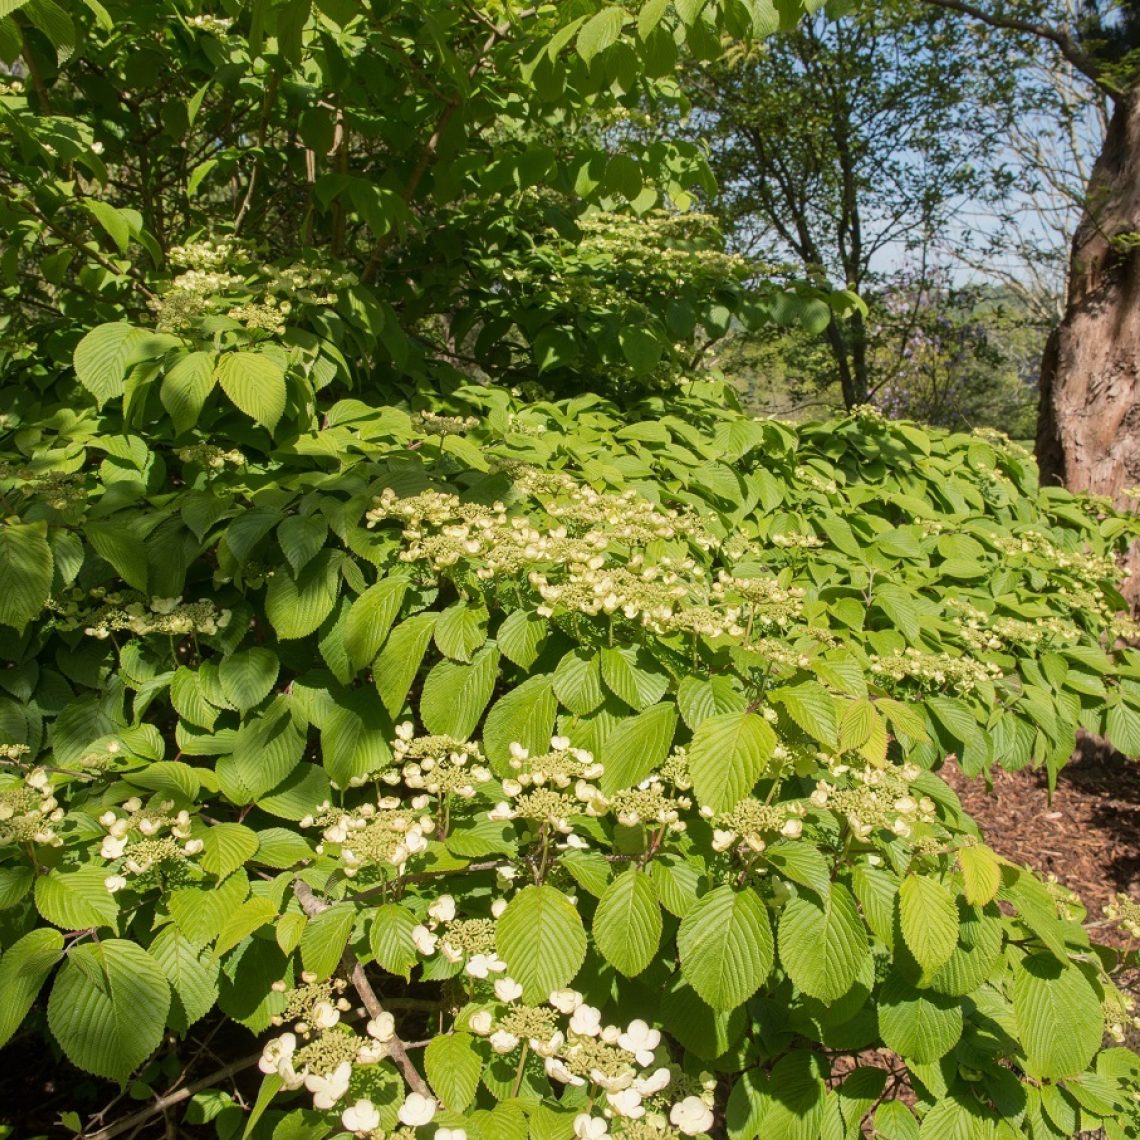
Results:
[160, 615]
[438, 765]
[875, 799]
[553, 787]
[385, 834]
[218, 26]
[627, 1063]
[136, 838]
[467, 940]
[28, 807]
[756, 824]
[934, 672]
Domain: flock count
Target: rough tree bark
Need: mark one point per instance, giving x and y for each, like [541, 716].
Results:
[1088, 430]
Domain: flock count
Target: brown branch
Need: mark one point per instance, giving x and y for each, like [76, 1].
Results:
[171, 1099]
[312, 906]
[1068, 47]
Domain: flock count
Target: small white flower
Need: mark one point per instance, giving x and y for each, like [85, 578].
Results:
[508, 990]
[361, 1117]
[417, 1109]
[193, 847]
[587, 1127]
[325, 1015]
[627, 1103]
[501, 812]
[565, 1001]
[654, 1083]
[382, 1027]
[114, 883]
[692, 1117]
[451, 1134]
[504, 1042]
[425, 941]
[722, 840]
[559, 743]
[497, 908]
[278, 1049]
[793, 829]
[587, 1021]
[481, 1022]
[640, 1040]
[443, 909]
[328, 1089]
[479, 966]
[112, 848]
[518, 751]
[556, 1070]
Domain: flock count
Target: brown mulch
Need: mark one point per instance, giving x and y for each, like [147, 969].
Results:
[1088, 836]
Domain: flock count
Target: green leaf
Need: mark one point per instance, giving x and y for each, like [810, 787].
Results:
[281, 848]
[726, 948]
[242, 921]
[631, 674]
[354, 738]
[227, 846]
[186, 387]
[23, 970]
[325, 938]
[369, 620]
[188, 699]
[928, 916]
[540, 937]
[823, 947]
[524, 715]
[391, 939]
[199, 912]
[577, 681]
[255, 384]
[699, 699]
[811, 706]
[1059, 1017]
[103, 357]
[117, 543]
[799, 861]
[460, 630]
[108, 1007]
[297, 606]
[247, 677]
[601, 31]
[637, 747]
[75, 900]
[981, 873]
[192, 974]
[301, 538]
[455, 694]
[453, 1067]
[266, 750]
[400, 659]
[26, 571]
[520, 637]
[920, 1025]
[628, 924]
[728, 754]
[641, 349]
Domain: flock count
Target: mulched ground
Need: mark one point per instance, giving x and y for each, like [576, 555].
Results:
[1088, 836]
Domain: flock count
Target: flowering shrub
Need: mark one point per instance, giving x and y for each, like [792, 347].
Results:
[543, 769]
[503, 767]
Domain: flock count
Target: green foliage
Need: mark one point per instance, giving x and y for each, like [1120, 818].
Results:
[610, 730]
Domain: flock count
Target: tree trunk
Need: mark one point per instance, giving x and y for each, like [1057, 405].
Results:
[1088, 434]
[1088, 430]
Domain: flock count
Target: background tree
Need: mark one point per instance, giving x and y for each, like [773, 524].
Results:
[848, 146]
[1089, 423]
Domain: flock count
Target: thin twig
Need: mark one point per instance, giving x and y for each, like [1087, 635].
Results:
[312, 906]
[164, 1103]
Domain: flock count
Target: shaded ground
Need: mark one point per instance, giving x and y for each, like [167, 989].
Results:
[1088, 837]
